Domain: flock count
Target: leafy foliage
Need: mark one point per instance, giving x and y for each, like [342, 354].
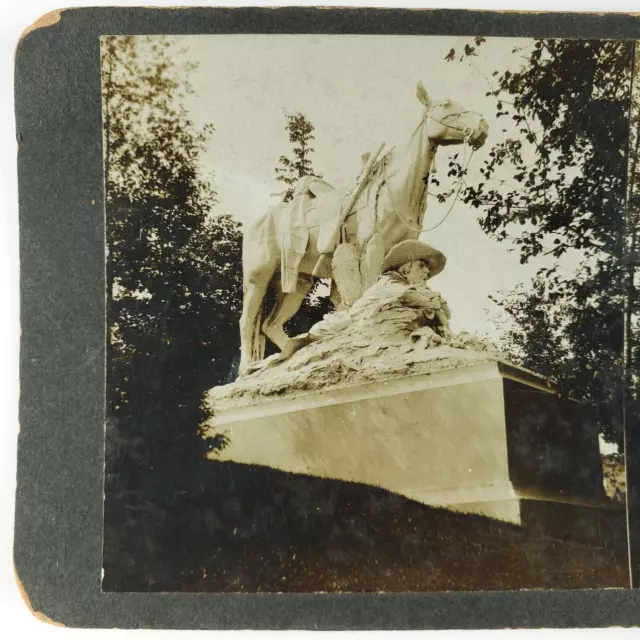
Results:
[632, 262]
[173, 274]
[468, 50]
[557, 188]
[300, 131]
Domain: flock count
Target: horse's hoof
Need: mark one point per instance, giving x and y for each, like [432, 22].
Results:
[294, 344]
[244, 370]
[252, 368]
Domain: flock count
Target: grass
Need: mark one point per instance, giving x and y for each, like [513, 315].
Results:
[254, 529]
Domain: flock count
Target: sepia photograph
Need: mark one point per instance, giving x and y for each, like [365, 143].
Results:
[371, 312]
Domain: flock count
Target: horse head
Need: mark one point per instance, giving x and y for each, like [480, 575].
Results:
[449, 122]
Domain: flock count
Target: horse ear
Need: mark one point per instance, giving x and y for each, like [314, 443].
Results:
[423, 96]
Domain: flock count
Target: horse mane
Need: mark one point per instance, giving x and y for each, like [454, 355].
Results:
[422, 123]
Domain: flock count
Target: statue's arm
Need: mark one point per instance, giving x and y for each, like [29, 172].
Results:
[383, 289]
[422, 299]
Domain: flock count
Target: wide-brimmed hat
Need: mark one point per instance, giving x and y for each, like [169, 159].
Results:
[410, 250]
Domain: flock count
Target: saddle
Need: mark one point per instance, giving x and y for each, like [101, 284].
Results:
[309, 188]
[312, 185]
[294, 239]
[293, 230]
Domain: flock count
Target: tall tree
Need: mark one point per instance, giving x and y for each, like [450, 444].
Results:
[632, 262]
[557, 187]
[174, 284]
[300, 132]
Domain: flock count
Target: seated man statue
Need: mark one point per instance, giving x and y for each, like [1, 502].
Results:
[403, 285]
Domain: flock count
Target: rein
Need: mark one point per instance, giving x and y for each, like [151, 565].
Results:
[465, 161]
[457, 189]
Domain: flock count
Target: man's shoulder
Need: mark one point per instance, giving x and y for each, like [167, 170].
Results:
[389, 284]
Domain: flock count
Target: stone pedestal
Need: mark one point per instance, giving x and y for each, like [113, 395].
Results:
[471, 435]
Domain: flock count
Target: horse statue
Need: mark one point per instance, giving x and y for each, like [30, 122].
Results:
[285, 247]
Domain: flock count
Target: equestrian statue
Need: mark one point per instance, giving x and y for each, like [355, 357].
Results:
[343, 234]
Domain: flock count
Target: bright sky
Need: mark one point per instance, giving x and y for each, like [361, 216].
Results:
[358, 91]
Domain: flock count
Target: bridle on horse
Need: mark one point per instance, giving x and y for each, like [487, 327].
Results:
[467, 131]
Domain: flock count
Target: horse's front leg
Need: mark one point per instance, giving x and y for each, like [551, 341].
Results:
[372, 257]
[286, 306]
[254, 294]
